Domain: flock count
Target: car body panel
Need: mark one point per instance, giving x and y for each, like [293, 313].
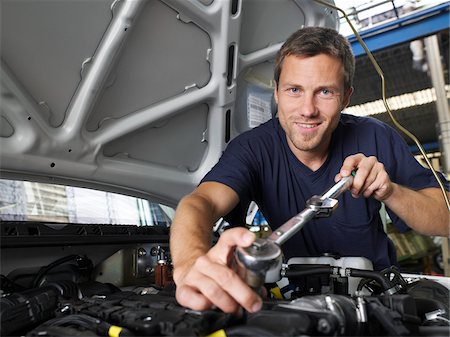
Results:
[134, 96]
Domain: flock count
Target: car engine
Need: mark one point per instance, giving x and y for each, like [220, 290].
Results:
[323, 296]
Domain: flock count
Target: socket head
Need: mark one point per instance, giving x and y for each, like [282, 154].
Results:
[260, 256]
[261, 259]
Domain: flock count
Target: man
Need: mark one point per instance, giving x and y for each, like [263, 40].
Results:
[285, 161]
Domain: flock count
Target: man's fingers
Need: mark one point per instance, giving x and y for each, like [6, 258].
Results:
[230, 239]
[212, 281]
[382, 188]
[351, 163]
[200, 292]
[190, 297]
[227, 290]
[371, 178]
[364, 172]
[365, 183]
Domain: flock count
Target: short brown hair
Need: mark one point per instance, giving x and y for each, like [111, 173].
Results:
[311, 41]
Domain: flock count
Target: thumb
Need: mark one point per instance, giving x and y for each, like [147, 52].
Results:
[228, 241]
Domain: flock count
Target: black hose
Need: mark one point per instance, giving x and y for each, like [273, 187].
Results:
[8, 285]
[46, 269]
[370, 274]
[292, 274]
[365, 283]
[250, 331]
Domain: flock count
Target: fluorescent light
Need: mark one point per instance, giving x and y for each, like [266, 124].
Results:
[396, 102]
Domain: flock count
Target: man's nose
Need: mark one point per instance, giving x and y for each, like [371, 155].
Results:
[308, 106]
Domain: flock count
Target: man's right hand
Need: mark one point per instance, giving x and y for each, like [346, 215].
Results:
[213, 280]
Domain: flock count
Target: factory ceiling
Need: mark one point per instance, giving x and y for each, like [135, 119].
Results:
[401, 77]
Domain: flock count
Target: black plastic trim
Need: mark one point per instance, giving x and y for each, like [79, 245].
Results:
[227, 126]
[32, 234]
[230, 65]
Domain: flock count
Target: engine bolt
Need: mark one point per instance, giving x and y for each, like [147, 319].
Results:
[323, 326]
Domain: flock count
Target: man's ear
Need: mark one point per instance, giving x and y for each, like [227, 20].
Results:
[347, 96]
[275, 91]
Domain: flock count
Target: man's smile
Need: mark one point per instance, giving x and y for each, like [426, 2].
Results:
[308, 126]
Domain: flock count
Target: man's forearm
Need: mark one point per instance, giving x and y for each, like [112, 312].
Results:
[190, 234]
[424, 211]
[196, 214]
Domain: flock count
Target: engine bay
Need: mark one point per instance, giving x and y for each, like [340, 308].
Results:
[130, 293]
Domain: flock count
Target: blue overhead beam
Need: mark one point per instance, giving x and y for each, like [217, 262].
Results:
[428, 147]
[407, 28]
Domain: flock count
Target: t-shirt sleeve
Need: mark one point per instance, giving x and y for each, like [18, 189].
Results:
[237, 168]
[405, 170]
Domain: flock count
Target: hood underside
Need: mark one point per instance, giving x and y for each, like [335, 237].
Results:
[134, 96]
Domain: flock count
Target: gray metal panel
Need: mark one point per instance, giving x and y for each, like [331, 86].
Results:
[139, 93]
[206, 2]
[266, 21]
[162, 57]
[6, 129]
[182, 147]
[45, 43]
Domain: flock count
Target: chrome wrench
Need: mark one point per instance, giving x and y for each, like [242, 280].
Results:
[263, 259]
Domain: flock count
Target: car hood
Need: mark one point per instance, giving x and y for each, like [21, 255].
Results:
[134, 96]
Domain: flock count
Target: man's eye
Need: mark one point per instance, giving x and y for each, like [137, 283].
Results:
[294, 90]
[326, 93]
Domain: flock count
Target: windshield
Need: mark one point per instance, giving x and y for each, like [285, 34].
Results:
[32, 201]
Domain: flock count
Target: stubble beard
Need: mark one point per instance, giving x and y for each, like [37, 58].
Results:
[304, 141]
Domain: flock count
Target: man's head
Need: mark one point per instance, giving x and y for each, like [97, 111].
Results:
[311, 41]
[313, 84]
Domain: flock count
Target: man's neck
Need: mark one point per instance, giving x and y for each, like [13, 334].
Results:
[312, 160]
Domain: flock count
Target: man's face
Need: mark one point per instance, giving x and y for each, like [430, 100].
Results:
[310, 96]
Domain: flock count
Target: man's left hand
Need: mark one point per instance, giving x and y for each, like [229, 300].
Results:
[371, 178]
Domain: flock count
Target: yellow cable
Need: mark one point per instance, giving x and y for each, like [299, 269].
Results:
[383, 91]
[276, 292]
[114, 331]
[218, 333]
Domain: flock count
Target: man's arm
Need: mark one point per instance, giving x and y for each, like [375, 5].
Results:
[424, 210]
[203, 275]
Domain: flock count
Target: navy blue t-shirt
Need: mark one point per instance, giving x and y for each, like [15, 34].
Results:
[260, 166]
